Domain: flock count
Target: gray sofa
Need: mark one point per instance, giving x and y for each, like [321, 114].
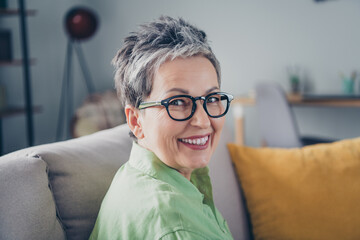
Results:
[54, 191]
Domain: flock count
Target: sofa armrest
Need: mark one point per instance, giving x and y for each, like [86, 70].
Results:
[26, 201]
[228, 196]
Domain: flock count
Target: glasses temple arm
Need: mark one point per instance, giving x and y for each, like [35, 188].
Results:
[144, 105]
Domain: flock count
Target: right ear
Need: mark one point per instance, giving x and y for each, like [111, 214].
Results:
[133, 120]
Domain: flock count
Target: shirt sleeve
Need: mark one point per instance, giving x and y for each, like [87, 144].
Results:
[181, 235]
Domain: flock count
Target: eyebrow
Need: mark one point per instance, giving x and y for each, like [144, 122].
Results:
[187, 92]
[178, 90]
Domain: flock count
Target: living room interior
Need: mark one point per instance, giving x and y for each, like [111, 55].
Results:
[254, 42]
[315, 43]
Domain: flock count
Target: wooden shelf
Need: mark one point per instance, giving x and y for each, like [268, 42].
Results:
[13, 12]
[13, 111]
[16, 62]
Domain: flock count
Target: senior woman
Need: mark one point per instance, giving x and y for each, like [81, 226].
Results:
[169, 80]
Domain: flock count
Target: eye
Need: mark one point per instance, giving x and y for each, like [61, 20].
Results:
[177, 102]
[213, 99]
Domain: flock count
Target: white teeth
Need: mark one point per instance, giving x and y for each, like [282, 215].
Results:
[198, 141]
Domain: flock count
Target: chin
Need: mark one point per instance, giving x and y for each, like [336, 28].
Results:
[199, 163]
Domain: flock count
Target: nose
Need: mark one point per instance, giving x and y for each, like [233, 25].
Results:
[200, 117]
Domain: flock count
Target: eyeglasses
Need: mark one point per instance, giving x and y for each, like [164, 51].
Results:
[183, 107]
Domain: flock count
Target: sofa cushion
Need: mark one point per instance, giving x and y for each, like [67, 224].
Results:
[24, 189]
[307, 193]
[80, 172]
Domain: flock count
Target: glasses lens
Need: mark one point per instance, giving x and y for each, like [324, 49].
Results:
[180, 107]
[217, 104]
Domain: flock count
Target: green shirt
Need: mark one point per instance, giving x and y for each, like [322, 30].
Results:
[149, 200]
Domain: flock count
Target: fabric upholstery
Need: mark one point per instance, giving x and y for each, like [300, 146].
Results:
[303, 193]
[227, 196]
[80, 172]
[24, 191]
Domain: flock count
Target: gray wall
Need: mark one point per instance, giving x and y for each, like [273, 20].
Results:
[254, 41]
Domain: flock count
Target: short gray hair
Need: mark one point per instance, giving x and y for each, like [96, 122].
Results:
[153, 44]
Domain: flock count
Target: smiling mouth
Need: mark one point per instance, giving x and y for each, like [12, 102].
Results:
[195, 141]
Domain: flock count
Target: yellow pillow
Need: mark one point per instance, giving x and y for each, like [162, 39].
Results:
[306, 193]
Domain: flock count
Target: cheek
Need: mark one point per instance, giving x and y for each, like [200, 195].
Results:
[162, 127]
[152, 118]
[218, 124]
[165, 138]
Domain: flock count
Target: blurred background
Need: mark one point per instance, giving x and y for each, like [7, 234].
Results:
[254, 40]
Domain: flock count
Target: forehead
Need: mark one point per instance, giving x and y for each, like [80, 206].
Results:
[193, 74]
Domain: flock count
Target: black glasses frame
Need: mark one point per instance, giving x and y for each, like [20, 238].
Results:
[166, 102]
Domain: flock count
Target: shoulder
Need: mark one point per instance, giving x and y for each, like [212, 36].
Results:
[133, 192]
[137, 206]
